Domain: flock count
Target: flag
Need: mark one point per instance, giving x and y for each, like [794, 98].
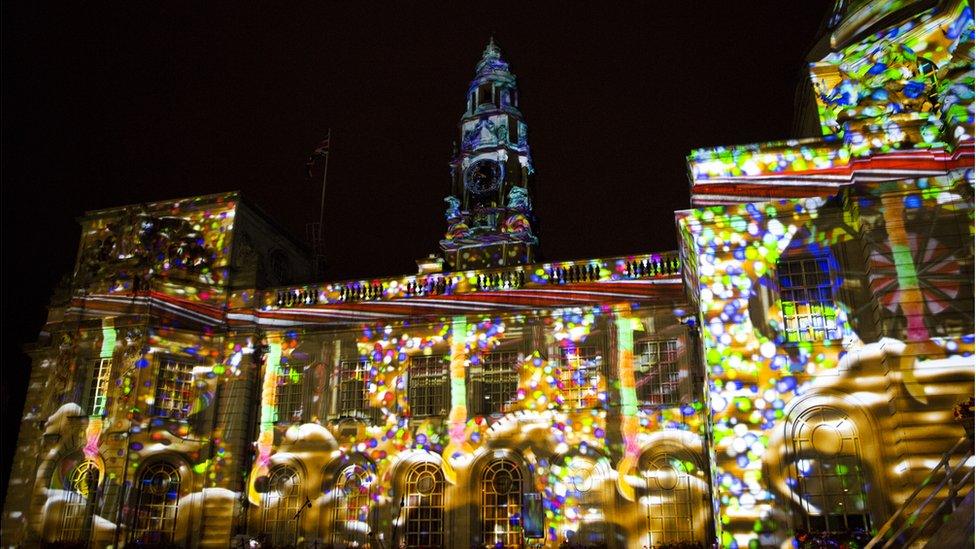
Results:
[321, 151]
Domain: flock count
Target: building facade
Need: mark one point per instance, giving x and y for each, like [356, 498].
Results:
[788, 372]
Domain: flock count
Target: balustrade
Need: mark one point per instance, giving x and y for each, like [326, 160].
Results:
[510, 278]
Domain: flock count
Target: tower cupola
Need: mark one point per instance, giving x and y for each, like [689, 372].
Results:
[489, 212]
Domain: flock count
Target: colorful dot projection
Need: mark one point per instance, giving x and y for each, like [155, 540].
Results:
[789, 375]
[561, 415]
[762, 366]
[179, 248]
[899, 88]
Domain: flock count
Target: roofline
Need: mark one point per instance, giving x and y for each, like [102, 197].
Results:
[94, 214]
[236, 195]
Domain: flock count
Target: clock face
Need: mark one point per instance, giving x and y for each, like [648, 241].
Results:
[483, 177]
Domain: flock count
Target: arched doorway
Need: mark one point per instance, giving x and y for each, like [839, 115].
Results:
[352, 496]
[80, 485]
[670, 504]
[501, 505]
[424, 507]
[156, 504]
[826, 473]
[280, 505]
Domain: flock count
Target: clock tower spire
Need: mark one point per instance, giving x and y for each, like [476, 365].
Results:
[489, 212]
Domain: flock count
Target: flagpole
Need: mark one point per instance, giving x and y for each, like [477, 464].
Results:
[325, 175]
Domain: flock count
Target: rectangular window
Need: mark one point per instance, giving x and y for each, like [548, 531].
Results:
[581, 371]
[513, 130]
[354, 389]
[485, 95]
[174, 389]
[98, 378]
[807, 300]
[427, 389]
[288, 392]
[496, 386]
[656, 372]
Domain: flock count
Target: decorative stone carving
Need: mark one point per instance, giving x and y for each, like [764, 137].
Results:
[518, 199]
[453, 208]
[145, 245]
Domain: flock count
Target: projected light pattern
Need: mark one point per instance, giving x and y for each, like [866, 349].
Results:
[894, 102]
[894, 81]
[539, 427]
[791, 372]
[760, 378]
[181, 248]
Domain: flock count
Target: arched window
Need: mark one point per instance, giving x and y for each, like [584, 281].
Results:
[157, 500]
[281, 503]
[501, 505]
[350, 521]
[585, 485]
[670, 505]
[826, 472]
[81, 485]
[424, 507]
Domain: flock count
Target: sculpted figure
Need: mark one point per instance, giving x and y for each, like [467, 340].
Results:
[453, 208]
[518, 199]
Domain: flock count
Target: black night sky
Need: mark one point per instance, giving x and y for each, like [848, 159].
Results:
[122, 103]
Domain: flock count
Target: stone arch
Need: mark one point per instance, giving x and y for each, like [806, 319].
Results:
[395, 473]
[282, 500]
[423, 510]
[673, 490]
[63, 436]
[483, 457]
[828, 429]
[276, 492]
[72, 497]
[332, 470]
[521, 431]
[591, 476]
[481, 465]
[502, 489]
[159, 484]
[588, 474]
[346, 504]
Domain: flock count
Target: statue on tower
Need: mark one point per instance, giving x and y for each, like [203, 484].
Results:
[518, 199]
[518, 222]
[453, 208]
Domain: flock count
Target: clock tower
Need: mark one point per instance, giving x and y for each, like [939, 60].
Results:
[489, 212]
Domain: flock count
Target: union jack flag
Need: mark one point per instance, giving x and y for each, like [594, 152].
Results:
[321, 151]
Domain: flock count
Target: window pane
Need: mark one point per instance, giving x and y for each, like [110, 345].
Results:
[157, 495]
[174, 389]
[424, 507]
[288, 391]
[497, 383]
[656, 371]
[280, 505]
[354, 401]
[501, 505]
[581, 376]
[829, 486]
[806, 299]
[100, 371]
[428, 377]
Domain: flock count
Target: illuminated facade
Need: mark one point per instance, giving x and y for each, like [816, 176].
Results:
[791, 368]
